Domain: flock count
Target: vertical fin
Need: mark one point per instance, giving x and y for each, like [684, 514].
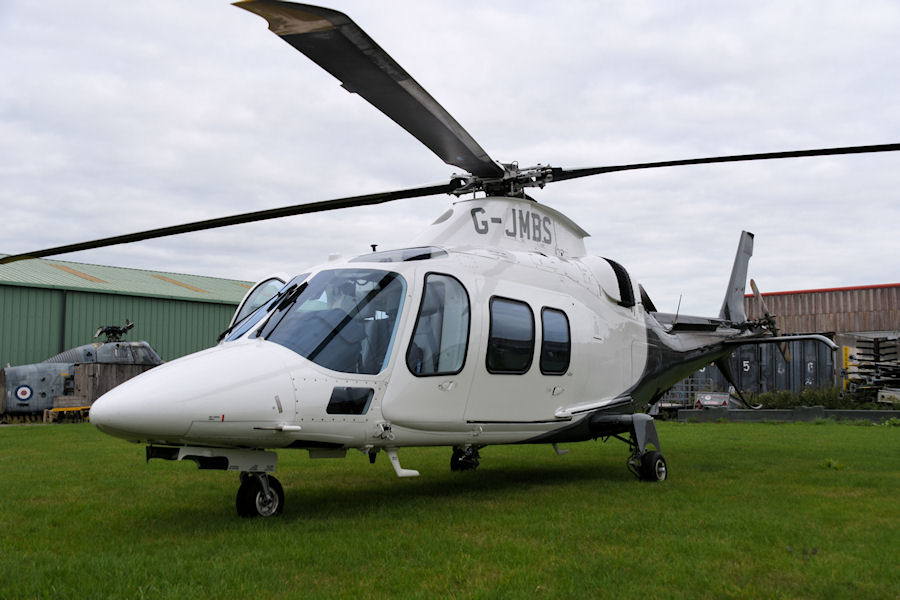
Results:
[733, 305]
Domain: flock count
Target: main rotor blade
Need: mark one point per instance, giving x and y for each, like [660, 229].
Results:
[260, 215]
[563, 174]
[338, 45]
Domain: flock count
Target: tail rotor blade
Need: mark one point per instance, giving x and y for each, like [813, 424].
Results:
[773, 321]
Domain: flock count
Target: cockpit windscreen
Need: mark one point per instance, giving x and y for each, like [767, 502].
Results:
[344, 319]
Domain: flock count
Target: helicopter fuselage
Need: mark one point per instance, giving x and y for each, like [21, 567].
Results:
[502, 330]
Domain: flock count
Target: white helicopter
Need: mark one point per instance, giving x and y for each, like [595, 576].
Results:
[493, 327]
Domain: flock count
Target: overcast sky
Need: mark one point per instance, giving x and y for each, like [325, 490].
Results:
[118, 117]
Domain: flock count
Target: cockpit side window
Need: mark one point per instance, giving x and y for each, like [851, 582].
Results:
[262, 293]
[441, 335]
[344, 320]
[243, 324]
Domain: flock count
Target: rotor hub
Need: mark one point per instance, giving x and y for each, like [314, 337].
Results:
[511, 184]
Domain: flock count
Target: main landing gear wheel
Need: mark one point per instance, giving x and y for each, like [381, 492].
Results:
[464, 458]
[653, 467]
[260, 495]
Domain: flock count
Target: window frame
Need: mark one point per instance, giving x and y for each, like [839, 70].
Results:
[237, 317]
[419, 316]
[490, 337]
[544, 341]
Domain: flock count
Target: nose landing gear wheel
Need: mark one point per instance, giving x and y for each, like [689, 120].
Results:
[653, 467]
[259, 496]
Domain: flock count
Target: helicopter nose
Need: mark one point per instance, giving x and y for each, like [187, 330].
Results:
[163, 403]
[131, 412]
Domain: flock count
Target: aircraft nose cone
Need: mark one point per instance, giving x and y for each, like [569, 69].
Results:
[131, 411]
[163, 403]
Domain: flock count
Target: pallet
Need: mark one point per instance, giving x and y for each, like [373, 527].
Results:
[74, 414]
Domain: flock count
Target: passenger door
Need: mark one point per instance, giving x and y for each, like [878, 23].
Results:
[520, 376]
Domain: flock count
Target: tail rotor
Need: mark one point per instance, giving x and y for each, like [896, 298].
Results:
[771, 321]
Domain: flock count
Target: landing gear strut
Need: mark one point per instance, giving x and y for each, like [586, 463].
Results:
[465, 458]
[260, 495]
[646, 464]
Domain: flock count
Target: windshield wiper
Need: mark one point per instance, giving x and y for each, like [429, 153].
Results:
[290, 297]
[264, 307]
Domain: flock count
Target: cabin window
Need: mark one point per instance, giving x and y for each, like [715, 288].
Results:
[344, 320]
[441, 335]
[511, 340]
[556, 345]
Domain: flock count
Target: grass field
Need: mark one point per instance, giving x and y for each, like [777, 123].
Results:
[749, 511]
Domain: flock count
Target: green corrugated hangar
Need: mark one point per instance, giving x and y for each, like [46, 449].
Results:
[47, 306]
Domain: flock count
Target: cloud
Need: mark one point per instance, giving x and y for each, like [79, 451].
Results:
[128, 116]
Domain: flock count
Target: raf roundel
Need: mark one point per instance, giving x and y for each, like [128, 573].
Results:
[24, 393]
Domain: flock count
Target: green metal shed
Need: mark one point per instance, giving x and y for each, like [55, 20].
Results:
[47, 306]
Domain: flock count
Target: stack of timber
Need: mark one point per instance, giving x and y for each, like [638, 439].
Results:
[92, 380]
